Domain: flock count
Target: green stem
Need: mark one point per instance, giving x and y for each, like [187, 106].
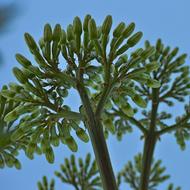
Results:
[150, 143]
[103, 100]
[148, 152]
[98, 142]
[176, 126]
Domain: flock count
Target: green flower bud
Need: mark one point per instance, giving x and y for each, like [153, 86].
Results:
[108, 105]
[57, 33]
[40, 187]
[73, 46]
[85, 23]
[128, 30]
[119, 29]
[71, 144]
[36, 71]
[122, 49]
[30, 42]
[92, 29]
[86, 39]
[82, 135]
[64, 52]
[183, 56]
[104, 42]
[139, 101]
[63, 92]
[152, 66]
[9, 160]
[133, 40]
[39, 59]
[28, 74]
[17, 164]
[117, 42]
[128, 110]
[137, 53]
[8, 94]
[17, 134]
[49, 155]
[63, 37]
[22, 60]
[19, 75]
[38, 150]
[55, 50]
[77, 26]
[2, 164]
[81, 164]
[159, 45]
[98, 47]
[148, 52]
[46, 51]
[11, 116]
[174, 52]
[152, 83]
[15, 87]
[73, 163]
[54, 137]
[70, 35]
[47, 33]
[87, 160]
[147, 44]
[109, 125]
[106, 26]
[31, 147]
[41, 43]
[121, 60]
[15, 113]
[166, 51]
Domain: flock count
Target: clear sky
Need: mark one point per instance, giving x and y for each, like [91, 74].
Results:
[166, 19]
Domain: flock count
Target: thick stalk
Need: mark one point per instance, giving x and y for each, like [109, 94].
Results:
[148, 153]
[150, 143]
[99, 144]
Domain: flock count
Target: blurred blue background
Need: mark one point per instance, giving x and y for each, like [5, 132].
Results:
[168, 20]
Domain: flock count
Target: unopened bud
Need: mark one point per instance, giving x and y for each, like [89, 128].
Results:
[133, 40]
[47, 33]
[106, 26]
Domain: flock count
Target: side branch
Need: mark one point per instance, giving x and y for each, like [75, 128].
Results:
[175, 126]
[103, 100]
[133, 120]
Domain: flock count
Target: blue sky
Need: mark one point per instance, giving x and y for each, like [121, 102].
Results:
[166, 19]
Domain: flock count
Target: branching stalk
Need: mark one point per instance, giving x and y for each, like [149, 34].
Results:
[150, 143]
[98, 142]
